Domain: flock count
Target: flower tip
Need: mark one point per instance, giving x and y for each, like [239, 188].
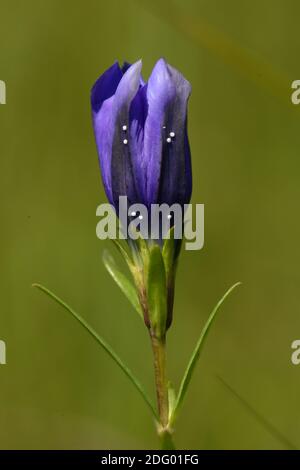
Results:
[139, 64]
[162, 61]
[133, 74]
[160, 70]
[134, 69]
[128, 85]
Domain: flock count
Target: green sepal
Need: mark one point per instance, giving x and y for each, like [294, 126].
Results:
[133, 266]
[126, 256]
[172, 246]
[143, 250]
[122, 281]
[168, 252]
[157, 292]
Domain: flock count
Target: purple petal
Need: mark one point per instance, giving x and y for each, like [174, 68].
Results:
[161, 92]
[105, 86]
[104, 132]
[137, 117]
[124, 69]
[128, 86]
[108, 122]
[122, 178]
[176, 179]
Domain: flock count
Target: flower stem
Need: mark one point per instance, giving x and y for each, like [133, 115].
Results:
[159, 354]
[166, 440]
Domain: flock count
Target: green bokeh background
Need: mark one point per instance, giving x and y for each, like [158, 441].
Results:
[58, 389]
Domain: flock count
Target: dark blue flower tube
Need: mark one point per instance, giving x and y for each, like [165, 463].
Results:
[141, 134]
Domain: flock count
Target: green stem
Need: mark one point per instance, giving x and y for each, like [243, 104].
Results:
[166, 440]
[159, 354]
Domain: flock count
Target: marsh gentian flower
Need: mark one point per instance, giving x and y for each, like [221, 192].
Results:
[141, 134]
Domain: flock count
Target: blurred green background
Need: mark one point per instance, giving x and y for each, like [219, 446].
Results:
[59, 389]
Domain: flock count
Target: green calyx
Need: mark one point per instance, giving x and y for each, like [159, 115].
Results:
[157, 292]
[153, 269]
[155, 280]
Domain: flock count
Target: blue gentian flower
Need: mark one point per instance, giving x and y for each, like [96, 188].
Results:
[141, 134]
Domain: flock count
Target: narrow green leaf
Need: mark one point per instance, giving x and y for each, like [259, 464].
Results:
[103, 344]
[122, 281]
[172, 398]
[157, 291]
[196, 353]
